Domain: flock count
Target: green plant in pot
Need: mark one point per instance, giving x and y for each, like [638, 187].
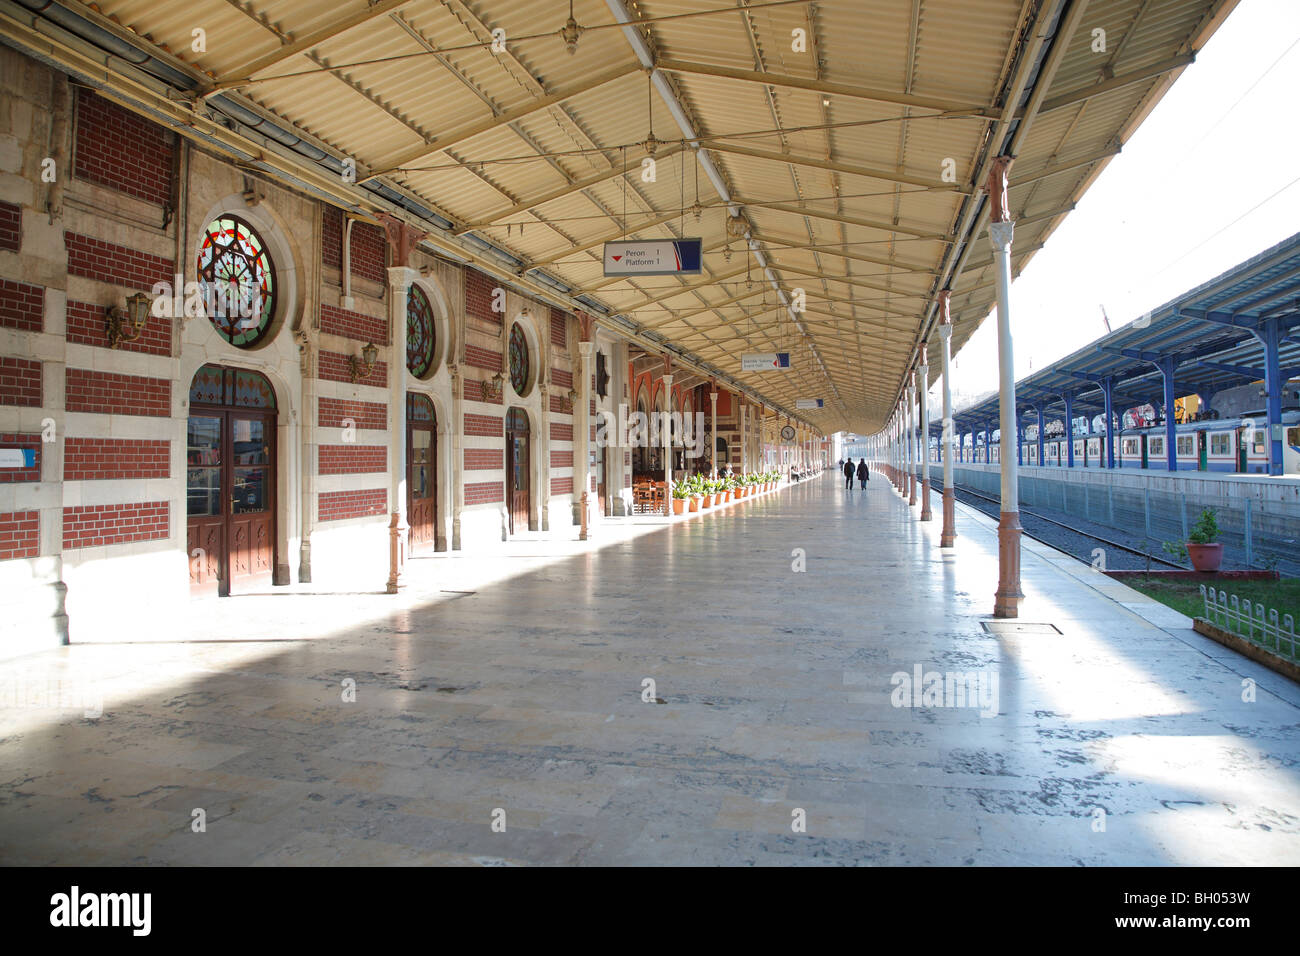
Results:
[681, 494]
[1201, 546]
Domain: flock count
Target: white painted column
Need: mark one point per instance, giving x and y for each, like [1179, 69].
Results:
[582, 444]
[948, 535]
[713, 436]
[923, 441]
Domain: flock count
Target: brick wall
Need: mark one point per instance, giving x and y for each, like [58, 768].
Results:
[484, 459]
[485, 426]
[120, 149]
[332, 237]
[21, 440]
[336, 505]
[86, 326]
[561, 380]
[561, 486]
[352, 459]
[483, 358]
[478, 296]
[19, 534]
[561, 459]
[110, 393]
[332, 411]
[484, 492]
[557, 405]
[353, 325]
[559, 328]
[96, 259]
[11, 226]
[96, 525]
[91, 459]
[368, 249]
[333, 366]
[20, 382]
[561, 431]
[22, 306]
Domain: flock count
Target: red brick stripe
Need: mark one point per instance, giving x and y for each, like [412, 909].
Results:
[484, 426]
[368, 249]
[561, 459]
[561, 432]
[119, 149]
[336, 505]
[352, 459]
[478, 296]
[353, 325]
[19, 534]
[96, 525]
[483, 358]
[334, 367]
[332, 411]
[112, 394]
[561, 486]
[561, 379]
[22, 306]
[11, 226]
[559, 328]
[332, 237]
[96, 259]
[484, 492]
[20, 382]
[481, 459]
[91, 459]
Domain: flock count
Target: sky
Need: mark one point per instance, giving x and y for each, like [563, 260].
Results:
[1211, 178]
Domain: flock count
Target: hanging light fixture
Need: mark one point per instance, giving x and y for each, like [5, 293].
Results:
[651, 144]
[570, 32]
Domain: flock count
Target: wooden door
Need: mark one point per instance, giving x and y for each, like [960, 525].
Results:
[230, 481]
[1202, 458]
[518, 482]
[421, 475]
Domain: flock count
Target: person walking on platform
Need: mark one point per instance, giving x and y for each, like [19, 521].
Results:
[848, 474]
[864, 474]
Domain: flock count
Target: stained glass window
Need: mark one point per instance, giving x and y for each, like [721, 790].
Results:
[217, 385]
[237, 279]
[420, 332]
[518, 359]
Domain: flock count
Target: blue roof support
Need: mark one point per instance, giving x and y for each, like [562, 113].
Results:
[1269, 334]
[1167, 366]
[1069, 427]
[1107, 383]
[1041, 408]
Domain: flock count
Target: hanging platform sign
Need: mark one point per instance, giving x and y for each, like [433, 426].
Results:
[809, 403]
[17, 457]
[763, 361]
[657, 257]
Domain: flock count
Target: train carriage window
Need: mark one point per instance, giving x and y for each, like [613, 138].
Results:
[1221, 443]
[1186, 448]
[1257, 440]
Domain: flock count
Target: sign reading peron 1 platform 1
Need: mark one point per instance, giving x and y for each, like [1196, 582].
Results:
[658, 257]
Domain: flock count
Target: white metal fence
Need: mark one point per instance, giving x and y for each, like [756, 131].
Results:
[1251, 621]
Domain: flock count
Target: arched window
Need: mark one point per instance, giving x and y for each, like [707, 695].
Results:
[421, 334]
[237, 279]
[518, 359]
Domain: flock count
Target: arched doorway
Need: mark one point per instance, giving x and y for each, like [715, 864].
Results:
[518, 470]
[421, 473]
[230, 480]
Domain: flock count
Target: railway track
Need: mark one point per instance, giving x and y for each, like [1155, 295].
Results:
[1064, 537]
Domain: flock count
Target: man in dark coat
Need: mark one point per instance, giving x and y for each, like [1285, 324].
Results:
[848, 474]
[863, 473]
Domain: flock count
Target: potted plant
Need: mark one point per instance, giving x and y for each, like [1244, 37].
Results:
[706, 487]
[696, 487]
[680, 495]
[1201, 548]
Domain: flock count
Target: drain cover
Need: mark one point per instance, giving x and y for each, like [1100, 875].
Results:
[1019, 627]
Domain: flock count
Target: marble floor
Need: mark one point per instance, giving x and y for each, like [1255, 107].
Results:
[498, 713]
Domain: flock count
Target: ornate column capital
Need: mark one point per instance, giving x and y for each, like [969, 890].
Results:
[586, 326]
[996, 187]
[1001, 235]
[945, 331]
[401, 236]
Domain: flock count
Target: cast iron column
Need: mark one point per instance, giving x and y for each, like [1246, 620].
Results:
[948, 536]
[923, 373]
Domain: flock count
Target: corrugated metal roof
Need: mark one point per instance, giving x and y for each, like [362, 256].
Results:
[457, 127]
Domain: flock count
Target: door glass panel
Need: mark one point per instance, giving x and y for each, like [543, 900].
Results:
[252, 458]
[521, 463]
[203, 467]
[421, 455]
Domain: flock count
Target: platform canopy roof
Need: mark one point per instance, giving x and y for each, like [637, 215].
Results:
[1207, 332]
[837, 147]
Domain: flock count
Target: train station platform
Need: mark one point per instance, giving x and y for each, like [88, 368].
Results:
[1096, 729]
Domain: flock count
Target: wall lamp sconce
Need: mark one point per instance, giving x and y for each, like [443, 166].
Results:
[573, 400]
[492, 387]
[125, 325]
[362, 369]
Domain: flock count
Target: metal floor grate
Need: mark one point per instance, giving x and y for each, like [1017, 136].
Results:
[1019, 627]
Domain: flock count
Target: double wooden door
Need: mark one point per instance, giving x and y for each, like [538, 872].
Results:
[421, 474]
[230, 479]
[518, 472]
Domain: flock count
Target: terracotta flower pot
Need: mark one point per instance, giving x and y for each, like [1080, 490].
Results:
[695, 502]
[679, 506]
[708, 501]
[1205, 557]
